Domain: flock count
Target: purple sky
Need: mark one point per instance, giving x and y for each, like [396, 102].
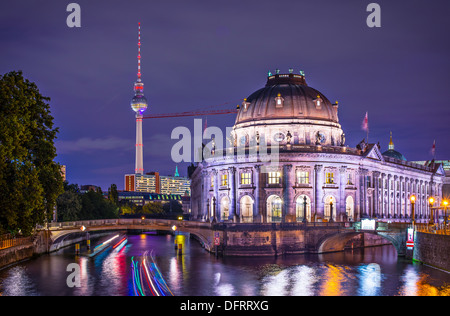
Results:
[198, 54]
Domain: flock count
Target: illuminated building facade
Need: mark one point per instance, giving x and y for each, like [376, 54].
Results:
[154, 183]
[175, 185]
[317, 176]
[149, 182]
[142, 198]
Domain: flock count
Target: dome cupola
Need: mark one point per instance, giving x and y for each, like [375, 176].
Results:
[287, 103]
[392, 153]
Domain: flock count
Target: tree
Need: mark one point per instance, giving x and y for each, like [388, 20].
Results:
[152, 208]
[95, 206]
[68, 206]
[30, 180]
[113, 194]
[173, 207]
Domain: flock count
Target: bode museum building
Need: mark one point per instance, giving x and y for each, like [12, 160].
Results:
[287, 161]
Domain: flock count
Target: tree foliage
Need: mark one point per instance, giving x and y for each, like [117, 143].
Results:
[30, 180]
[74, 206]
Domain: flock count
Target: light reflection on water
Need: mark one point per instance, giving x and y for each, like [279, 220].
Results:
[369, 272]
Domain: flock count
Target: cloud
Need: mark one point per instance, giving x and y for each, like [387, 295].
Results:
[87, 144]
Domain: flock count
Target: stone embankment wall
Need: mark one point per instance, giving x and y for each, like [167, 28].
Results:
[41, 244]
[433, 250]
[263, 240]
[26, 251]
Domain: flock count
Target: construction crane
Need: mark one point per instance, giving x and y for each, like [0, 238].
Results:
[196, 112]
[193, 113]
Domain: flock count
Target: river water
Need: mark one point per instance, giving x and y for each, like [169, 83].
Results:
[373, 271]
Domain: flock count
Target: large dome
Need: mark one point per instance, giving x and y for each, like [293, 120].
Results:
[287, 96]
[287, 110]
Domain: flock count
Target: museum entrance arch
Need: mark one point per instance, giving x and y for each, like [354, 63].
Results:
[303, 208]
[246, 208]
[274, 209]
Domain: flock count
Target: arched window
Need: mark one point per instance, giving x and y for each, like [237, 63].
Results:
[350, 208]
[274, 209]
[246, 206]
[225, 208]
[330, 208]
[303, 203]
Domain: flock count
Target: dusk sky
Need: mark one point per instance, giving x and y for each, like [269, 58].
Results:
[203, 55]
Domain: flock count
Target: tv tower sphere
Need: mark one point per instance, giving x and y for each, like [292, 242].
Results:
[139, 103]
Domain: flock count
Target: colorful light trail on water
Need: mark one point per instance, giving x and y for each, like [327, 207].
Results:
[147, 278]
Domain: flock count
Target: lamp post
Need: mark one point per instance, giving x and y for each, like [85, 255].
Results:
[431, 202]
[412, 198]
[445, 205]
[331, 210]
[304, 209]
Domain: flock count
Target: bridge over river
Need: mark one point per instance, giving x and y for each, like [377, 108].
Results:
[242, 239]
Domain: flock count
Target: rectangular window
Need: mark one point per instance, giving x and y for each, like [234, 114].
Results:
[302, 177]
[212, 181]
[224, 180]
[349, 179]
[246, 178]
[274, 177]
[329, 178]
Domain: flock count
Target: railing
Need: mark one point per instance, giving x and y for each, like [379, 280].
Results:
[124, 222]
[438, 229]
[8, 241]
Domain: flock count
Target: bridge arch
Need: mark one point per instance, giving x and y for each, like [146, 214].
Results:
[336, 241]
[70, 233]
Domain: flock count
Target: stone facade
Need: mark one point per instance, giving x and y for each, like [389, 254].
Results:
[287, 162]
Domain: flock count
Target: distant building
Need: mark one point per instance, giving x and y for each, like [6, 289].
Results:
[152, 182]
[142, 198]
[89, 187]
[175, 185]
[149, 182]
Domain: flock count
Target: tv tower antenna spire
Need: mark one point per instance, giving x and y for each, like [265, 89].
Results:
[139, 104]
[139, 52]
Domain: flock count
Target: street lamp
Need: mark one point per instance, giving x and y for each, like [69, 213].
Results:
[412, 198]
[331, 210]
[431, 202]
[445, 205]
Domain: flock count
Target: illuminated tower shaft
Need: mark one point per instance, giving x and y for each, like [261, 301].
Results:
[139, 167]
[139, 104]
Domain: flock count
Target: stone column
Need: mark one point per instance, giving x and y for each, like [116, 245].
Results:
[258, 215]
[407, 201]
[420, 195]
[383, 189]
[423, 212]
[402, 200]
[233, 184]
[204, 214]
[362, 188]
[215, 197]
[340, 206]
[376, 194]
[317, 208]
[288, 213]
[395, 210]
[389, 208]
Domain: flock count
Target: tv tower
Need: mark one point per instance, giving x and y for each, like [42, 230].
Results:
[139, 104]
